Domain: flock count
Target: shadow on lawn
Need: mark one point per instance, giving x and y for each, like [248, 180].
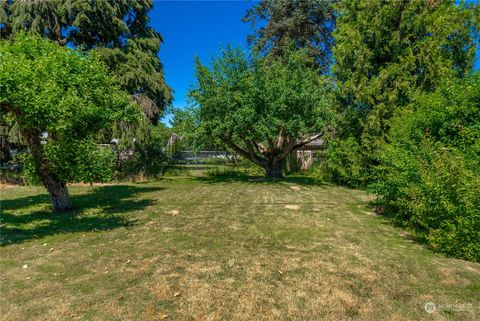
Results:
[229, 178]
[112, 201]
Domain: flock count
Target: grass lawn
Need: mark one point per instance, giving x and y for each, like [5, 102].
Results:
[212, 248]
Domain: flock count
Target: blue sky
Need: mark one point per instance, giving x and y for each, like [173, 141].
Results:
[198, 28]
[195, 28]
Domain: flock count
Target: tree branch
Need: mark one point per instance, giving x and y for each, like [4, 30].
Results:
[251, 156]
[250, 148]
[286, 150]
[260, 148]
[307, 140]
[281, 138]
[271, 145]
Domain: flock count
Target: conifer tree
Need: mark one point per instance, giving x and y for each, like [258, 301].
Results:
[308, 23]
[117, 30]
[386, 52]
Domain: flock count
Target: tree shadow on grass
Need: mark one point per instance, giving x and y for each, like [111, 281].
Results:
[243, 178]
[109, 205]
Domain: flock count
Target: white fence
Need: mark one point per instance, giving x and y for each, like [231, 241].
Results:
[202, 156]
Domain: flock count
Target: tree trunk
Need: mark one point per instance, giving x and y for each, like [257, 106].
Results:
[56, 188]
[58, 194]
[273, 169]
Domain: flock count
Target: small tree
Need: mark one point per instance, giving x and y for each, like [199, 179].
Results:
[262, 109]
[59, 98]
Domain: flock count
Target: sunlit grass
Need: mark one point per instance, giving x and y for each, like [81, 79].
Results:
[220, 248]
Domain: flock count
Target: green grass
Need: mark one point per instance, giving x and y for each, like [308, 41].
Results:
[220, 248]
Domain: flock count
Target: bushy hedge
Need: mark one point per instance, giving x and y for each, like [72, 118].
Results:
[77, 161]
[140, 150]
[429, 177]
[345, 163]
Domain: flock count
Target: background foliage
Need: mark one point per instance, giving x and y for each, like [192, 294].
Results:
[140, 149]
[309, 24]
[385, 53]
[429, 177]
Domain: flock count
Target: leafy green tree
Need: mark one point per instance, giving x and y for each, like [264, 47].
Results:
[185, 124]
[118, 30]
[261, 108]
[308, 23]
[387, 51]
[429, 176]
[59, 98]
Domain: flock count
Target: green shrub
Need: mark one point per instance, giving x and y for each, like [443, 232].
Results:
[27, 169]
[429, 177]
[147, 159]
[140, 150]
[9, 176]
[345, 163]
[76, 161]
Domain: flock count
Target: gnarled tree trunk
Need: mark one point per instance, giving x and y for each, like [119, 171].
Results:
[271, 155]
[273, 169]
[56, 188]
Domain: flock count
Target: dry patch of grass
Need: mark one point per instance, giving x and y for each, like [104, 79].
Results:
[212, 249]
[173, 212]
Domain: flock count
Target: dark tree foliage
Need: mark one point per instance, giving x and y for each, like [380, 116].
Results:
[117, 30]
[385, 53]
[309, 23]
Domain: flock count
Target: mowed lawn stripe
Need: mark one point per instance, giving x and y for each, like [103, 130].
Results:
[203, 248]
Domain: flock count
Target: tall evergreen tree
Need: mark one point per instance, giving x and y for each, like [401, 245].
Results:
[309, 23]
[117, 30]
[385, 52]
